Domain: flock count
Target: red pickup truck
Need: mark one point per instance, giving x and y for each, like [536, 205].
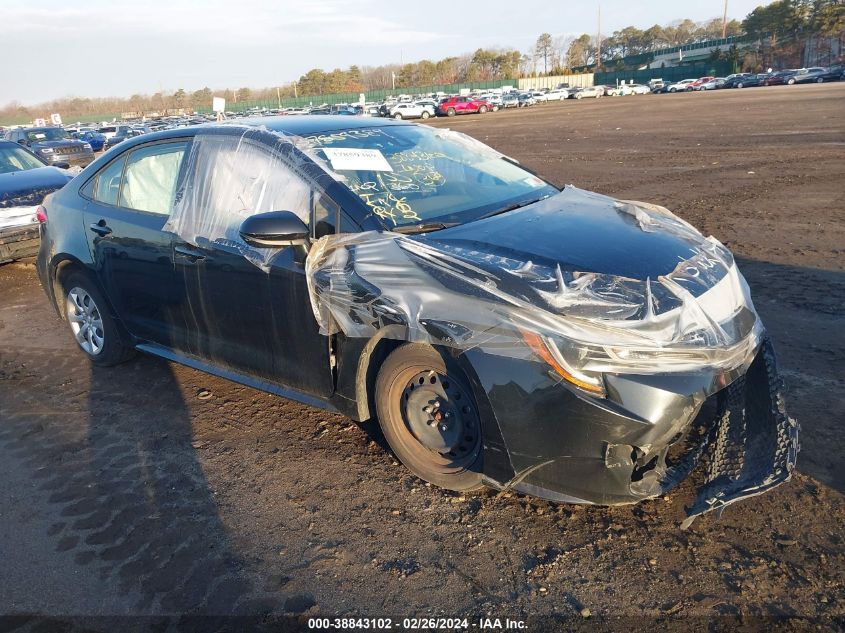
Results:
[463, 105]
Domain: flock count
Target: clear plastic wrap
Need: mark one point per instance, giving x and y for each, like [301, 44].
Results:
[230, 178]
[698, 315]
[451, 293]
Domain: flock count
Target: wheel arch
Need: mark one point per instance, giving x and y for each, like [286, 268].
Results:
[497, 464]
[62, 267]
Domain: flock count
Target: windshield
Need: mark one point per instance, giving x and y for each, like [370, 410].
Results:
[413, 174]
[17, 159]
[46, 134]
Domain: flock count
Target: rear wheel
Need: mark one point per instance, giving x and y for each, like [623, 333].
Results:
[820, 80]
[429, 417]
[425, 114]
[398, 115]
[482, 110]
[93, 328]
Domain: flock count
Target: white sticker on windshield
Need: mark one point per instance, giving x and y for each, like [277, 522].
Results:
[356, 159]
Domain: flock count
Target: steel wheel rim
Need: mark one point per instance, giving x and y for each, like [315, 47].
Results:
[439, 415]
[85, 320]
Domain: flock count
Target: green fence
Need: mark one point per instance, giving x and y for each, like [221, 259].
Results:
[352, 97]
[718, 68]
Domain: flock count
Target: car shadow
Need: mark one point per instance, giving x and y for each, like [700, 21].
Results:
[116, 460]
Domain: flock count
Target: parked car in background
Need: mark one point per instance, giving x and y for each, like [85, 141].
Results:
[638, 89]
[696, 85]
[742, 81]
[96, 140]
[557, 94]
[110, 130]
[409, 111]
[526, 100]
[463, 105]
[428, 104]
[500, 330]
[779, 78]
[539, 97]
[510, 100]
[608, 90]
[53, 145]
[681, 86]
[714, 84]
[125, 132]
[810, 75]
[820, 75]
[25, 180]
[589, 92]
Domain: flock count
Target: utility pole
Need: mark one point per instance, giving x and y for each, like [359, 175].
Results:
[598, 42]
[279, 97]
[725, 21]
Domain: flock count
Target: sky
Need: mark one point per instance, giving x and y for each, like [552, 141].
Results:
[98, 48]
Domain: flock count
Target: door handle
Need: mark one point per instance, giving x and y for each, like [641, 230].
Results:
[192, 255]
[100, 228]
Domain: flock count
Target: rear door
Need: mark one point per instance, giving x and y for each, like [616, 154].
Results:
[129, 202]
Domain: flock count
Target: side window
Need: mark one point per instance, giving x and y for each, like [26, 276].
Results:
[230, 179]
[107, 186]
[149, 180]
[325, 216]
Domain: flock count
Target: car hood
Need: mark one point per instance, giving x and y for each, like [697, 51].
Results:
[578, 231]
[28, 188]
[54, 144]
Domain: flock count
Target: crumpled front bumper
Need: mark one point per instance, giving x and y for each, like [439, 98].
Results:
[743, 439]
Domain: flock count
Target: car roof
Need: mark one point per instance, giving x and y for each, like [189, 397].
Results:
[296, 125]
[305, 125]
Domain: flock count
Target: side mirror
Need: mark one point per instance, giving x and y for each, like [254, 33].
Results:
[274, 230]
[23, 141]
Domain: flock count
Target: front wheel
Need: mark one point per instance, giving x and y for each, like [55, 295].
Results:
[482, 110]
[790, 82]
[820, 80]
[94, 329]
[398, 116]
[429, 417]
[450, 112]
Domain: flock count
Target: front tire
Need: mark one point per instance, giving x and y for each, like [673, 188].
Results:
[93, 328]
[429, 417]
[482, 110]
[450, 112]
[398, 116]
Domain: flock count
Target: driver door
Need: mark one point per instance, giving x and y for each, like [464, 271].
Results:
[248, 309]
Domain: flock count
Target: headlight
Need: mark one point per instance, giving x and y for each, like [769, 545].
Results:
[46, 150]
[86, 145]
[552, 354]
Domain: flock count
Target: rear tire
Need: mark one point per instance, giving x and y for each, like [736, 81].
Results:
[398, 116]
[482, 110]
[429, 417]
[425, 114]
[93, 328]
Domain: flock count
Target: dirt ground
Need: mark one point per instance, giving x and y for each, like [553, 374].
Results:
[154, 489]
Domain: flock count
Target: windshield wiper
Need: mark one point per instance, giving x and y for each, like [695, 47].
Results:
[510, 207]
[424, 227]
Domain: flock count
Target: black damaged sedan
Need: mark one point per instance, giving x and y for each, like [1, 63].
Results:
[504, 332]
